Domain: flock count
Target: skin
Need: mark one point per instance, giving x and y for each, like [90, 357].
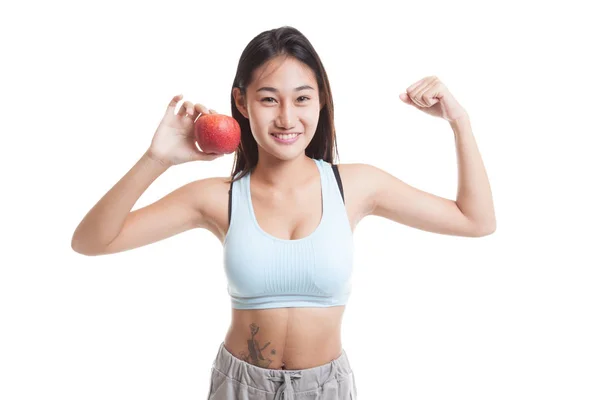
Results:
[281, 167]
[287, 338]
[285, 183]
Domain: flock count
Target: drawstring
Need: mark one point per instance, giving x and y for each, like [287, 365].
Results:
[286, 391]
[286, 388]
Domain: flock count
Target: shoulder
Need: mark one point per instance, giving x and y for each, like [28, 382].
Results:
[215, 187]
[208, 195]
[353, 170]
[358, 173]
[359, 180]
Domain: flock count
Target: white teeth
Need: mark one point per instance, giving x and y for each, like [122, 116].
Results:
[287, 136]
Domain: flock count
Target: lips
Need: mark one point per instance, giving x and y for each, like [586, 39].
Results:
[285, 133]
[292, 138]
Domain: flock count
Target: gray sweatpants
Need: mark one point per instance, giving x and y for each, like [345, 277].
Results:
[235, 379]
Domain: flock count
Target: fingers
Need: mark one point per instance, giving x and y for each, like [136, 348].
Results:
[422, 90]
[188, 108]
[414, 85]
[201, 109]
[201, 155]
[173, 103]
[417, 89]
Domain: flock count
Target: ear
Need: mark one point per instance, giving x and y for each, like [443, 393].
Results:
[240, 102]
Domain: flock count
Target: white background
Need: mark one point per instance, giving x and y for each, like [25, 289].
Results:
[514, 315]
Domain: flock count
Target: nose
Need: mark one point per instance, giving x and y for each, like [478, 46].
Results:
[285, 117]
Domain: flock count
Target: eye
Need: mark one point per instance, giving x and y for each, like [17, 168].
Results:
[268, 99]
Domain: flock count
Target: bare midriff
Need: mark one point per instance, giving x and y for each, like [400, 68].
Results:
[286, 338]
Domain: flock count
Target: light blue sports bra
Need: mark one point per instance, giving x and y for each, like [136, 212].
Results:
[264, 271]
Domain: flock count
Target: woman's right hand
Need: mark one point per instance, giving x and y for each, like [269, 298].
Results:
[174, 141]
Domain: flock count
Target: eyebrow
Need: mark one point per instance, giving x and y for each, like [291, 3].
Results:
[272, 89]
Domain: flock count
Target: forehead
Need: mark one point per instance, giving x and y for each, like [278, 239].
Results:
[284, 73]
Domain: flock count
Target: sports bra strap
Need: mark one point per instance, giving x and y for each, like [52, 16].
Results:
[337, 178]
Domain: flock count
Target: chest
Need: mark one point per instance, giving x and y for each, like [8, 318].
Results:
[291, 217]
[314, 269]
[288, 217]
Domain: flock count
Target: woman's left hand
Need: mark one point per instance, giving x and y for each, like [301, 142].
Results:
[431, 96]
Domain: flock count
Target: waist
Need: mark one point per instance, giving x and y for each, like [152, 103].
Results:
[286, 338]
[284, 384]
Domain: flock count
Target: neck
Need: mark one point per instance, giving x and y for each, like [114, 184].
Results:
[282, 174]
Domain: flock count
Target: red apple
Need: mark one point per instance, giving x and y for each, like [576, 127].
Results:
[217, 133]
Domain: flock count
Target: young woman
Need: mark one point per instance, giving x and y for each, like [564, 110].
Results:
[285, 216]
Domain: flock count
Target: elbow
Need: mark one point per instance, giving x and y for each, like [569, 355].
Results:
[79, 246]
[486, 230]
[476, 229]
[77, 242]
[75, 245]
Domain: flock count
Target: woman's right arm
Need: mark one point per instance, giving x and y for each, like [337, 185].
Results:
[110, 226]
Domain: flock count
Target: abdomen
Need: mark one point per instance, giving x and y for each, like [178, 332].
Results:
[286, 338]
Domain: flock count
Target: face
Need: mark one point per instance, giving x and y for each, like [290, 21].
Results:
[283, 97]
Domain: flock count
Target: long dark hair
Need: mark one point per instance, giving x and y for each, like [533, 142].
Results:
[289, 42]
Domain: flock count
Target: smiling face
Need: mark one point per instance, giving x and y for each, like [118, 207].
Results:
[283, 98]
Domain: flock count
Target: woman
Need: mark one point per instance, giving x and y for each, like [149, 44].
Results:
[285, 216]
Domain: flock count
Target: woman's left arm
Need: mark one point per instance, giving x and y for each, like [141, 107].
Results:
[474, 197]
[472, 214]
